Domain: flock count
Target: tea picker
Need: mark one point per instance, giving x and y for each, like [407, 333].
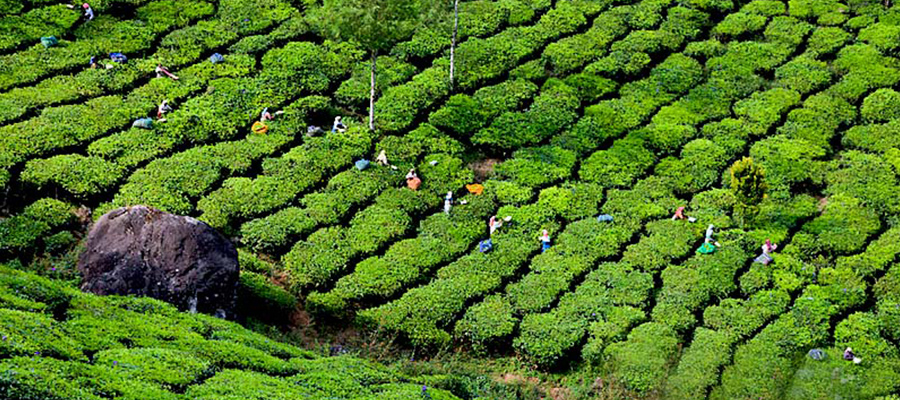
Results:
[709, 234]
[545, 241]
[118, 57]
[765, 258]
[338, 125]
[162, 109]
[88, 11]
[709, 245]
[448, 202]
[265, 115]
[679, 214]
[849, 356]
[494, 223]
[160, 71]
[412, 180]
[382, 158]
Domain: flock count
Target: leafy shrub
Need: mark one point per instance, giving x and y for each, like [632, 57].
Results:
[864, 176]
[609, 294]
[804, 74]
[463, 114]
[21, 232]
[842, 229]
[620, 165]
[30, 334]
[485, 322]
[882, 36]
[355, 90]
[441, 238]
[640, 362]
[827, 40]
[552, 111]
[881, 106]
[170, 368]
[508, 192]
[260, 297]
[664, 242]
[788, 162]
[537, 166]
[83, 176]
[282, 178]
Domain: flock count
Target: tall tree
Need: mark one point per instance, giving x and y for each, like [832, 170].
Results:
[453, 40]
[748, 183]
[376, 25]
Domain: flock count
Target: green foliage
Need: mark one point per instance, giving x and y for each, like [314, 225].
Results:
[259, 297]
[485, 322]
[865, 176]
[827, 40]
[640, 362]
[374, 25]
[748, 183]
[355, 91]
[537, 166]
[552, 110]
[463, 115]
[21, 232]
[804, 74]
[843, 228]
[881, 106]
[788, 162]
[83, 176]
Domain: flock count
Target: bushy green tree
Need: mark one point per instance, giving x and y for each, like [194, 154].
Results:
[376, 25]
[748, 182]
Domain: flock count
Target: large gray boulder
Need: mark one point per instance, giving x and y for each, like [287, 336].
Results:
[145, 252]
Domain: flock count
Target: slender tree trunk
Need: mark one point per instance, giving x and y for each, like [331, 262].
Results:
[453, 41]
[372, 95]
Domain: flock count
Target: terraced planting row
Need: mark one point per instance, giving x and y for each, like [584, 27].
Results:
[625, 109]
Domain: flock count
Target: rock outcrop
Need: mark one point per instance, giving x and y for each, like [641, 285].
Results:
[146, 252]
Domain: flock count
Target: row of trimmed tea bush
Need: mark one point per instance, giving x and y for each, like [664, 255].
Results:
[169, 354]
[422, 331]
[22, 231]
[576, 323]
[527, 168]
[347, 190]
[327, 252]
[539, 282]
[101, 36]
[71, 125]
[478, 60]
[188, 49]
[477, 18]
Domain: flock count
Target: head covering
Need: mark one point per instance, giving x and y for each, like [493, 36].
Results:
[86, 6]
[768, 243]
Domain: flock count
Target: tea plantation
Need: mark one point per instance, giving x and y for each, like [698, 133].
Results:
[762, 120]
